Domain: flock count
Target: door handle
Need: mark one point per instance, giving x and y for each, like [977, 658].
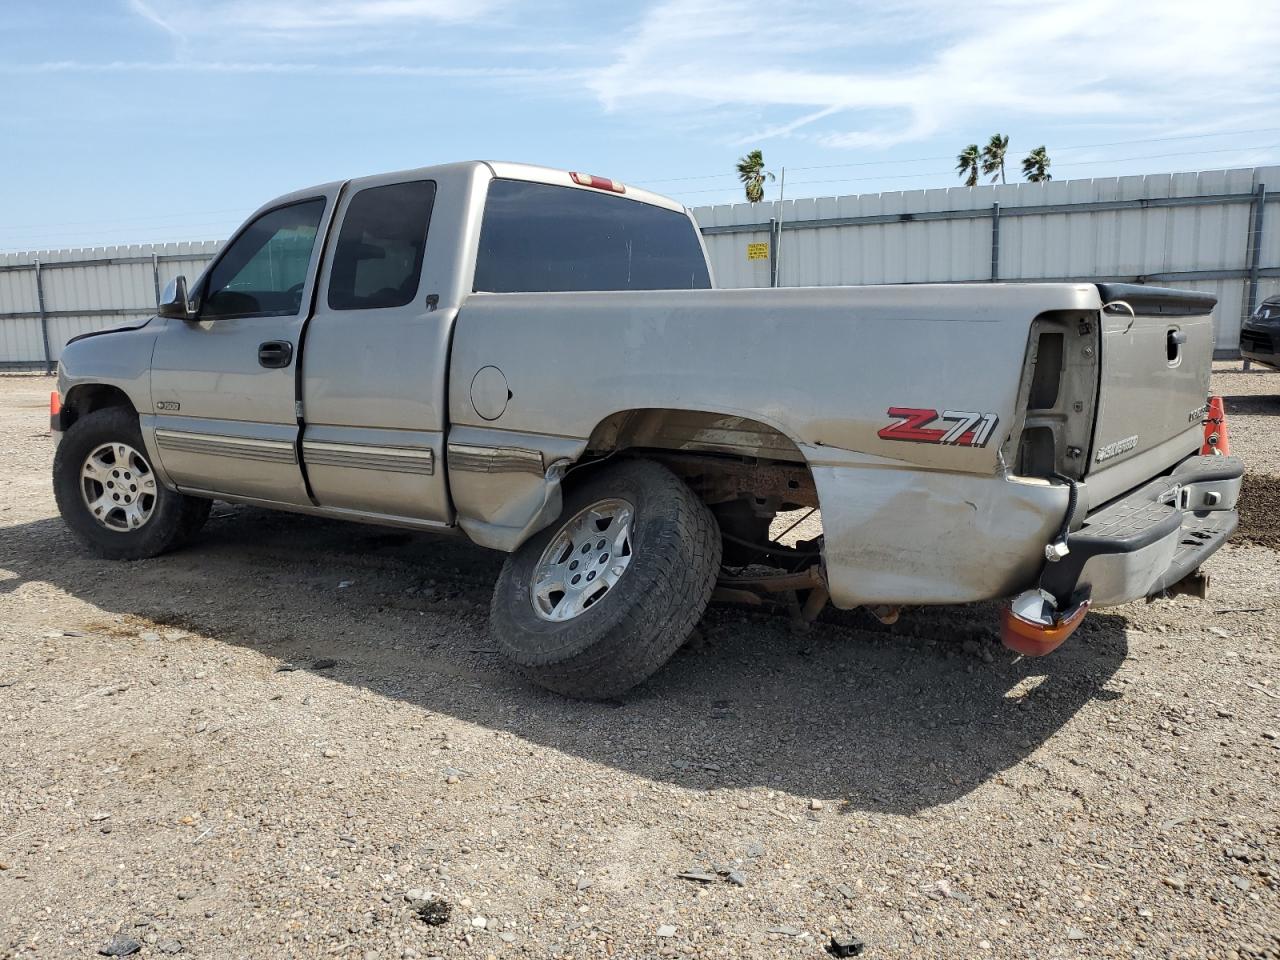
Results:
[275, 353]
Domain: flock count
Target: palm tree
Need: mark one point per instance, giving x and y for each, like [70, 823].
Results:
[968, 165]
[752, 173]
[1036, 166]
[993, 156]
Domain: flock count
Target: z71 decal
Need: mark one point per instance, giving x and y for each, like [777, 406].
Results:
[959, 428]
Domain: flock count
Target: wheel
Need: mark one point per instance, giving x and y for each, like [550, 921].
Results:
[599, 601]
[108, 493]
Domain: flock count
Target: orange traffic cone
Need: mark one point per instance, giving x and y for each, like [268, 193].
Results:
[1217, 436]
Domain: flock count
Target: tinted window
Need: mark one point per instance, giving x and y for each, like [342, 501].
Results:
[263, 272]
[537, 237]
[378, 258]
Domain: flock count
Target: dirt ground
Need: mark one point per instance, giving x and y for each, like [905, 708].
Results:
[258, 746]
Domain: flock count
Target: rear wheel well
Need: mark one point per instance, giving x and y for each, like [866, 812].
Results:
[83, 400]
[691, 431]
[746, 471]
[724, 457]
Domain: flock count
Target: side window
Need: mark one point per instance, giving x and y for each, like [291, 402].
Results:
[378, 259]
[263, 272]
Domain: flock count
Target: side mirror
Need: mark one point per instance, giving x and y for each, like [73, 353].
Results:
[175, 303]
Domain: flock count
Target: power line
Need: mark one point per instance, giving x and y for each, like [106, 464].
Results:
[159, 234]
[1092, 146]
[946, 173]
[5, 228]
[147, 225]
[1083, 163]
[1083, 146]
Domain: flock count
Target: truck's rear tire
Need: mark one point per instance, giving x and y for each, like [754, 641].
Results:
[108, 493]
[601, 599]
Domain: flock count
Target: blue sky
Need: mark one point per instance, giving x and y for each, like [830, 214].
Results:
[139, 120]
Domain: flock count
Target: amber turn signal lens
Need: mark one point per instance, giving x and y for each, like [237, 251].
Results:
[1034, 639]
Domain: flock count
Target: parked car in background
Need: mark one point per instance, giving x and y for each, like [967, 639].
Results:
[1260, 334]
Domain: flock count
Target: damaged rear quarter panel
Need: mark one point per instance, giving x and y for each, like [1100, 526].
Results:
[901, 535]
[904, 520]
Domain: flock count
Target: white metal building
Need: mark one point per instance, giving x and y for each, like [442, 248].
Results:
[1216, 231]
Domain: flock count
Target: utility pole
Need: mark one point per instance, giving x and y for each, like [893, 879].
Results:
[782, 193]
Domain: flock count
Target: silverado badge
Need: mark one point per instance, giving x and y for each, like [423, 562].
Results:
[1115, 449]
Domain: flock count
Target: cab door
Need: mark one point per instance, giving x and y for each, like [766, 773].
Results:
[375, 357]
[223, 384]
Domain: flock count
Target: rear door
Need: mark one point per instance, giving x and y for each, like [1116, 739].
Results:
[223, 384]
[1157, 354]
[375, 357]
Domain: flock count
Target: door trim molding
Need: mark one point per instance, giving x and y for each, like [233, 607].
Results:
[244, 448]
[369, 456]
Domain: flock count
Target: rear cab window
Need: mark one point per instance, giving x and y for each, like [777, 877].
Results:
[541, 238]
[377, 261]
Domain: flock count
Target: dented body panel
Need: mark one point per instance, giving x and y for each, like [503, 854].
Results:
[902, 520]
[820, 365]
[940, 428]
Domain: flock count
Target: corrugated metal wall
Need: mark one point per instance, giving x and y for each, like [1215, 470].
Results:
[1195, 235]
[75, 291]
[1191, 230]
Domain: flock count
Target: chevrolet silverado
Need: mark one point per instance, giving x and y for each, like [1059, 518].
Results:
[538, 360]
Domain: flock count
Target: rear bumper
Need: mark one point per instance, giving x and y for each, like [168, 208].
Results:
[1148, 540]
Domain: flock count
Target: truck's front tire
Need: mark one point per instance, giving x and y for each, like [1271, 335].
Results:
[108, 493]
[601, 599]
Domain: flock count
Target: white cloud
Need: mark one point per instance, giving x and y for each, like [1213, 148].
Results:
[144, 10]
[242, 17]
[859, 75]
[267, 67]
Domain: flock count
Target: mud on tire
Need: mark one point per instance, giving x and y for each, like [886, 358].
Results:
[629, 631]
[171, 519]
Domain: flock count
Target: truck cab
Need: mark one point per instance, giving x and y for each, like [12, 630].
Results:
[308, 366]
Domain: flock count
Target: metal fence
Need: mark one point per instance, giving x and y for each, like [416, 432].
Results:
[1216, 231]
[47, 298]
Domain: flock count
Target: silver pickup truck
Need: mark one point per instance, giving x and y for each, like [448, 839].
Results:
[538, 360]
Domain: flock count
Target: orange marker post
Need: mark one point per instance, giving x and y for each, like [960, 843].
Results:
[1217, 435]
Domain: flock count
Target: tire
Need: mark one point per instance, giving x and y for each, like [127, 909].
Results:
[161, 519]
[625, 634]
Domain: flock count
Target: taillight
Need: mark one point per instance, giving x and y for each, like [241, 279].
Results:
[600, 183]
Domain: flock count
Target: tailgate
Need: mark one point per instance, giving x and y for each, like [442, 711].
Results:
[1157, 355]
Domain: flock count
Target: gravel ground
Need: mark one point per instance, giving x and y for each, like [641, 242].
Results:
[257, 747]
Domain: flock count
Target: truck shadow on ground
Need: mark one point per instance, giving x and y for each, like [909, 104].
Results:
[890, 719]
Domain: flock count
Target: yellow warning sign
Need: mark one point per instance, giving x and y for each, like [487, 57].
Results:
[757, 251]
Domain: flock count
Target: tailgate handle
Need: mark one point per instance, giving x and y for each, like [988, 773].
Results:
[1178, 336]
[1173, 346]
